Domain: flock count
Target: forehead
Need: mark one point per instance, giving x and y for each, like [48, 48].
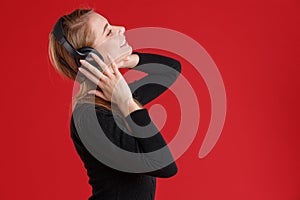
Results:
[97, 22]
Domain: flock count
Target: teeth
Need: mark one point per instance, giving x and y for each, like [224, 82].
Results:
[123, 43]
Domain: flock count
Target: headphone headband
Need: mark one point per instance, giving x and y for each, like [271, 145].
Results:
[82, 53]
[59, 34]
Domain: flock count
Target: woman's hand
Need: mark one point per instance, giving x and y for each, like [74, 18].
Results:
[113, 85]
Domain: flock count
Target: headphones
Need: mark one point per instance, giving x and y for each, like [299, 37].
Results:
[82, 53]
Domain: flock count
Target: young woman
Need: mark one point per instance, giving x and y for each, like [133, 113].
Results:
[86, 28]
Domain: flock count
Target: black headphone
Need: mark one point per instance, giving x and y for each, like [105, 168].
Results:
[82, 53]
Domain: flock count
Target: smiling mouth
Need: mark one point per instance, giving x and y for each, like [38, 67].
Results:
[125, 43]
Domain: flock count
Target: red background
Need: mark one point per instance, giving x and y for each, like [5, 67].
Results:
[255, 45]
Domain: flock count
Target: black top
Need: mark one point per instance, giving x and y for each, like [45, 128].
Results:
[111, 184]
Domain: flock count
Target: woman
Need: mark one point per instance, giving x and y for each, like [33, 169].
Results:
[86, 28]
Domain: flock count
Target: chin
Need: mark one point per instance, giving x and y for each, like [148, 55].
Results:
[129, 52]
[126, 53]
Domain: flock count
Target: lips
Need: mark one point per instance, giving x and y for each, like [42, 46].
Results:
[124, 44]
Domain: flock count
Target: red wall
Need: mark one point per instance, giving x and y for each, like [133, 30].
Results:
[255, 45]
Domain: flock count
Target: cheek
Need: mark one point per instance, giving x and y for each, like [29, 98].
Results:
[112, 47]
[107, 48]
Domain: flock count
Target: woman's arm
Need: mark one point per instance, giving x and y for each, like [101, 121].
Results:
[131, 143]
[162, 73]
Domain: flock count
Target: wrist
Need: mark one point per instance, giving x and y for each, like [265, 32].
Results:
[128, 107]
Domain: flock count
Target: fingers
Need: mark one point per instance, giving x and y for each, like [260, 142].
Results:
[105, 69]
[89, 76]
[99, 61]
[96, 73]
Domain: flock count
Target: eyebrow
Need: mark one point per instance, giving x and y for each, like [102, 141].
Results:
[105, 28]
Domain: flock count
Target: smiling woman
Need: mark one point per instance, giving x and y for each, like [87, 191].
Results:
[109, 40]
[109, 50]
[86, 28]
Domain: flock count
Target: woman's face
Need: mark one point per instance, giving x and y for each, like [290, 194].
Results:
[110, 40]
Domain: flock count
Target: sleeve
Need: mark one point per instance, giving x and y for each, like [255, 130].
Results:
[120, 137]
[162, 72]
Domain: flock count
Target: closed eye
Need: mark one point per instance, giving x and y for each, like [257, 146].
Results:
[108, 33]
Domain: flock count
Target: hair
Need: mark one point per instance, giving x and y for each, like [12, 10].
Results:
[79, 34]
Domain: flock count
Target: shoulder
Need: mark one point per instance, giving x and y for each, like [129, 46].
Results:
[88, 107]
[89, 112]
[90, 117]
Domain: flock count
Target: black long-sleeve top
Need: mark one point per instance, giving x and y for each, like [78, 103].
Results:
[109, 183]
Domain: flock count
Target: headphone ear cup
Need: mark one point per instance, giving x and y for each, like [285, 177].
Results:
[87, 51]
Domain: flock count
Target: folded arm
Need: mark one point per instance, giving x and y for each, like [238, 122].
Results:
[161, 71]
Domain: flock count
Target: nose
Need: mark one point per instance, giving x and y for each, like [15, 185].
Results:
[121, 29]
